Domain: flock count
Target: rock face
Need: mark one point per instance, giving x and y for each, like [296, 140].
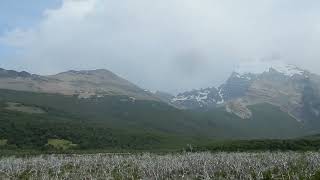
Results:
[239, 108]
[295, 91]
[236, 86]
[85, 84]
[279, 89]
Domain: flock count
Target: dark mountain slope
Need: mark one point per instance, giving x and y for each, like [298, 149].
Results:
[119, 121]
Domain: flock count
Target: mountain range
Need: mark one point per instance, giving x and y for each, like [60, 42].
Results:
[295, 91]
[98, 109]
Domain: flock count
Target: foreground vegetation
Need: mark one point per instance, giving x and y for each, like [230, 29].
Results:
[266, 165]
[311, 143]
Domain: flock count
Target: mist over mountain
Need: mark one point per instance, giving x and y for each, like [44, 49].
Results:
[171, 46]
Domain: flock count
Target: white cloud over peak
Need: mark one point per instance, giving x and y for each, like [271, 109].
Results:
[171, 45]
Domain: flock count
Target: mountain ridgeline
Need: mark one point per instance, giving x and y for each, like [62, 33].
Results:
[100, 110]
[84, 84]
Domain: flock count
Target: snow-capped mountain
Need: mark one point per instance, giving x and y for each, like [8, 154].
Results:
[259, 67]
[247, 74]
[237, 85]
[294, 90]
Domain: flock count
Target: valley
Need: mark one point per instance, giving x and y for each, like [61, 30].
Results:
[99, 110]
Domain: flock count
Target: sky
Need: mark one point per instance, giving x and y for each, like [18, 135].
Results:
[167, 45]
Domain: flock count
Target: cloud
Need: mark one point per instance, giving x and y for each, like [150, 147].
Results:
[169, 45]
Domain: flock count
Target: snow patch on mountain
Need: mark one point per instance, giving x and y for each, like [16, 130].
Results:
[247, 76]
[180, 98]
[199, 96]
[221, 96]
[259, 67]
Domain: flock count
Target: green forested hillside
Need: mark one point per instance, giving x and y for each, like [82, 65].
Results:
[119, 122]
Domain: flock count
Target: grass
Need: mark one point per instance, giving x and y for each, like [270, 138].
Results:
[22, 108]
[3, 142]
[61, 144]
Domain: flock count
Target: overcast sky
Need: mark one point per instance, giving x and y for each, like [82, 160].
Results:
[169, 45]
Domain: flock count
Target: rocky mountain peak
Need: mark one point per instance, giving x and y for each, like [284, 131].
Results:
[294, 90]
